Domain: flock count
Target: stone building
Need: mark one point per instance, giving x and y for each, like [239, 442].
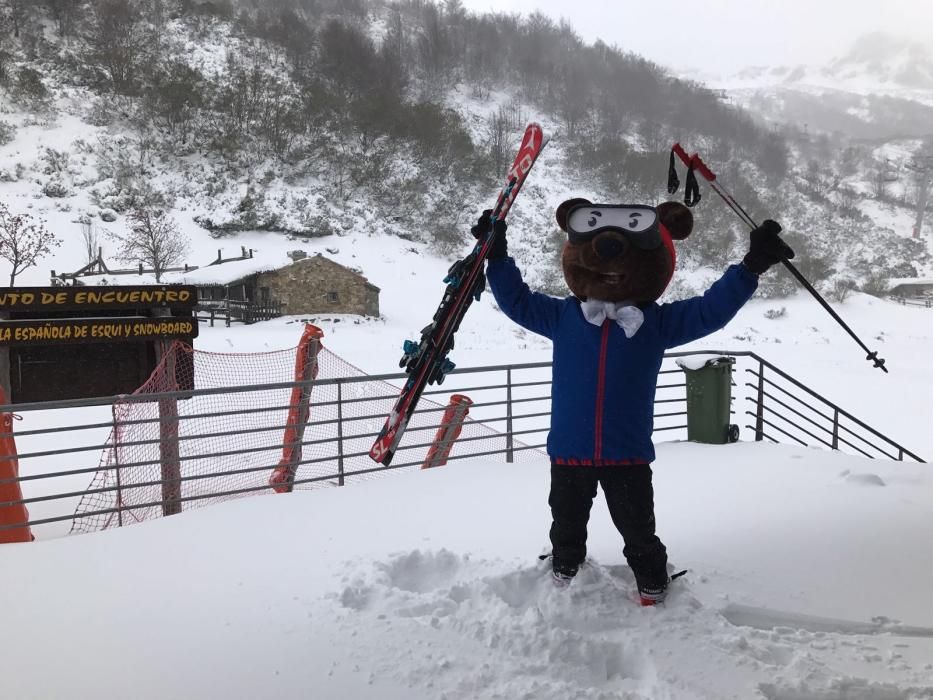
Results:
[311, 285]
[910, 287]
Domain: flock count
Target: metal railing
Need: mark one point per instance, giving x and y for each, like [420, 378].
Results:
[785, 410]
[60, 450]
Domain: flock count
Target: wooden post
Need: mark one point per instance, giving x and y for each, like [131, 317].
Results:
[116, 462]
[168, 433]
[5, 367]
[168, 450]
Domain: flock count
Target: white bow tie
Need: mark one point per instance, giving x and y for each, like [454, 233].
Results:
[628, 317]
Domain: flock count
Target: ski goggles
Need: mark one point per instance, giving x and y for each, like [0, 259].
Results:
[637, 222]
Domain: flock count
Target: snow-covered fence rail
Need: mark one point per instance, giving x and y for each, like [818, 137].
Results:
[924, 301]
[229, 439]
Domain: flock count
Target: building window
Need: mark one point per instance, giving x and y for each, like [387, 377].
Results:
[333, 297]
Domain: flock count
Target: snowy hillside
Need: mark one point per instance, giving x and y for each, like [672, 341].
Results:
[396, 589]
[358, 236]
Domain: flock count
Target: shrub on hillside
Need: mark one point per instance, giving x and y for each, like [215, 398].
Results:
[29, 89]
[7, 133]
[56, 188]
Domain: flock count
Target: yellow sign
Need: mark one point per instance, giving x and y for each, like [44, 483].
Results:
[64, 298]
[77, 330]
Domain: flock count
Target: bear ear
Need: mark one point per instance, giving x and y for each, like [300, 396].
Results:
[676, 218]
[564, 208]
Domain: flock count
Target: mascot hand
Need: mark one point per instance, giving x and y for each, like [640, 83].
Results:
[482, 228]
[767, 248]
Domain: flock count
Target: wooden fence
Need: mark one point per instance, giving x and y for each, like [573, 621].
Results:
[241, 311]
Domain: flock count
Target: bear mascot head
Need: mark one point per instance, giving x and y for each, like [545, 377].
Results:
[617, 253]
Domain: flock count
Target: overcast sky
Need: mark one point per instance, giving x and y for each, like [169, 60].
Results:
[719, 36]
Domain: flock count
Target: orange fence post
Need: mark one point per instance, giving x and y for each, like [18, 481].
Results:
[11, 512]
[451, 425]
[306, 369]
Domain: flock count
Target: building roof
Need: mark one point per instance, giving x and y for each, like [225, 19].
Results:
[910, 282]
[219, 274]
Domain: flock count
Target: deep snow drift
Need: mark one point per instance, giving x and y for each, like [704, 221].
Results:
[426, 585]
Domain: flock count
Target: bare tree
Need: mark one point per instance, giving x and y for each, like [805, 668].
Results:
[500, 140]
[23, 241]
[841, 289]
[879, 180]
[921, 167]
[153, 240]
[119, 42]
[822, 179]
[64, 12]
[17, 14]
[91, 240]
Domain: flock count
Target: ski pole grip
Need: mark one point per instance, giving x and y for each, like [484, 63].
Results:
[697, 163]
[682, 154]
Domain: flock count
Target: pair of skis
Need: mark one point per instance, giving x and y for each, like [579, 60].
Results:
[426, 361]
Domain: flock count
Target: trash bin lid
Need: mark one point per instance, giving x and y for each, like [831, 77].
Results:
[693, 363]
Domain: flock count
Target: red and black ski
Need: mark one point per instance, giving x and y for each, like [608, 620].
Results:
[426, 361]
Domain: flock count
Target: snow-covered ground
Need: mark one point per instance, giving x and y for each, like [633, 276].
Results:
[426, 585]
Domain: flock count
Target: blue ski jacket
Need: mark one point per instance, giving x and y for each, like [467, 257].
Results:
[603, 384]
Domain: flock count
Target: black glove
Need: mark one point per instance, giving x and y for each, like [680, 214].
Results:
[500, 246]
[766, 248]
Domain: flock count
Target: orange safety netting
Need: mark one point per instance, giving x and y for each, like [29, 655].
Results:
[176, 454]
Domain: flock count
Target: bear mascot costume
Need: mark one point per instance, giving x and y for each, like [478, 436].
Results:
[609, 340]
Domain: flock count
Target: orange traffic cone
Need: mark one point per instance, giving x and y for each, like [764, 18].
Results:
[10, 492]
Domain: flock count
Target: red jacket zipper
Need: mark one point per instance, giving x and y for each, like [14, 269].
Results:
[601, 391]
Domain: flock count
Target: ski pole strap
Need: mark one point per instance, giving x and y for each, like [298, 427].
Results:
[673, 182]
[692, 187]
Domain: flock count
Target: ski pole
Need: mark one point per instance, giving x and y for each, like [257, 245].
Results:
[695, 163]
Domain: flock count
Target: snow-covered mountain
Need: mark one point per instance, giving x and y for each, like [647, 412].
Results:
[882, 87]
[876, 63]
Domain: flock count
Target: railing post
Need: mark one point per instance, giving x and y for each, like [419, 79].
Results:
[836, 429]
[760, 405]
[509, 440]
[116, 459]
[340, 433]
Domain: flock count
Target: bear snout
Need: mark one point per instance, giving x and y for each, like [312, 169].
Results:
[609, 246]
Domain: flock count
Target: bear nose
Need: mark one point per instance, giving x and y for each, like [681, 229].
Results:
[609, 246]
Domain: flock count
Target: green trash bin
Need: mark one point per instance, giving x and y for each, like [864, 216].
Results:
[709, 398]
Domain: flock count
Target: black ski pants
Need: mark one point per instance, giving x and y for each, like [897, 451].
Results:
[630, 497]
